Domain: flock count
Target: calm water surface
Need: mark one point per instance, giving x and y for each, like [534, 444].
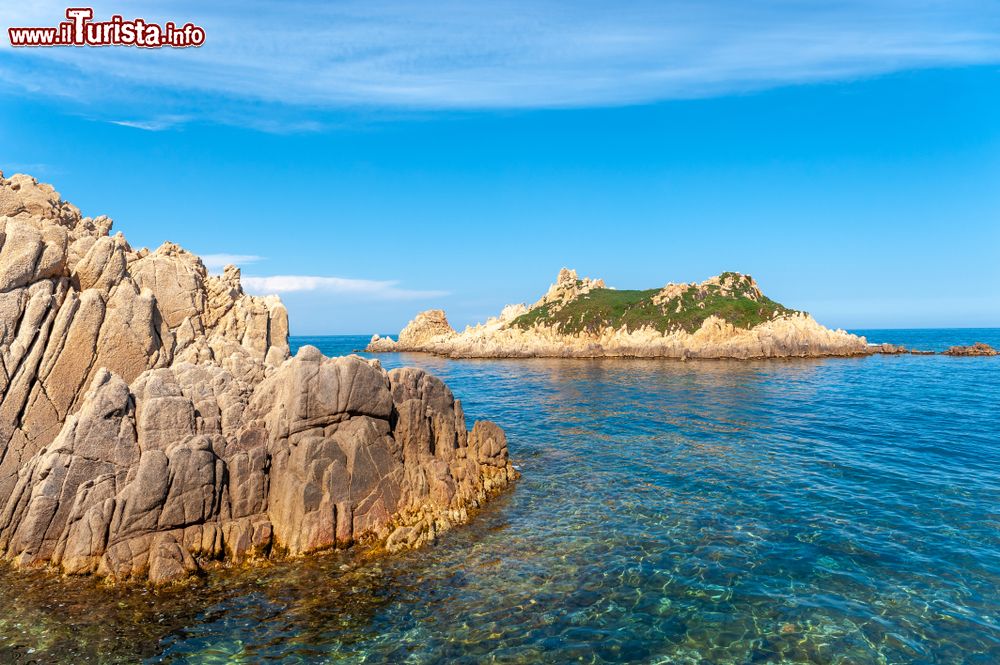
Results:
[829, 511]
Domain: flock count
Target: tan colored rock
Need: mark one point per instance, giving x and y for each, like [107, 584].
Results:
[728, 284]
[190, 461]
[568, 287]
[151, 421]
[176, 279]
[74, 300]
[426, 328]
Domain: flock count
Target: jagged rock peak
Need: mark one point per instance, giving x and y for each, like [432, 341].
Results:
[22, 197]
[424, 327]
[568, 287]
[75, 301]
[726, 284]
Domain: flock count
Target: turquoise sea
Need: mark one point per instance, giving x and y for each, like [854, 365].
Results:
[784, 511]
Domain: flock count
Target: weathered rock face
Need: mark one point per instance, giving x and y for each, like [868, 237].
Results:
[74, 300]
[784, 335]
[191, 464]
[151, 420]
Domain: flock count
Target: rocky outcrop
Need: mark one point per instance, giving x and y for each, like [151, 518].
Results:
[567, 288]
[977, 349]
[74, 300]
[191, 465]
[888, 349]
[727, 285]
[152, 422]
[422, 329]
[542, 330]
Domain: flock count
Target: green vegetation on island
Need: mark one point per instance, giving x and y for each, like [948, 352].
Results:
[731, 296]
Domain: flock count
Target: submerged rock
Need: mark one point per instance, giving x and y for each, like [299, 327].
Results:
[151, 420]
[723, 317]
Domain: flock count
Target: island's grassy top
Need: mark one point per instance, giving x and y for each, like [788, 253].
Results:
[733, 297]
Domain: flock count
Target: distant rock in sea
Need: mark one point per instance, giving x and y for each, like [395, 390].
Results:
[723, 317]
[977, 349]
[896, 350]
[152, 422]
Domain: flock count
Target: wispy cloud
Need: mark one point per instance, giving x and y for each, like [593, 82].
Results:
[299, 56]
[375, 289]
[156, 124]
[219, 261]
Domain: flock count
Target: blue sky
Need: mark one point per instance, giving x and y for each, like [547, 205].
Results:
[382, 158]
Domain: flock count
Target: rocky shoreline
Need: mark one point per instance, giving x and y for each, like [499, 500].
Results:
[152, 423]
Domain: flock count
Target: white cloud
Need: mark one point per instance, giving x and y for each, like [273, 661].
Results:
[375, 289]
[500, 54]
[219, 261]
[155, 124]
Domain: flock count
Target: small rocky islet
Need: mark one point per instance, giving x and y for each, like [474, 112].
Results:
[726, 316]
[153, 423]
[977, 349]
[723, 317]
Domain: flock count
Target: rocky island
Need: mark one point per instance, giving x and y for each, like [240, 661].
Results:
[977, 349]
[153, 424]
[723, 317]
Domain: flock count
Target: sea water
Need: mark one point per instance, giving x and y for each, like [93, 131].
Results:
[839, 510]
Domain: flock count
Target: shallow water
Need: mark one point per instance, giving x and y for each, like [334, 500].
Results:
[831, 511]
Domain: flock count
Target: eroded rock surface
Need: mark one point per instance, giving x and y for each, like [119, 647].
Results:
[151, 420]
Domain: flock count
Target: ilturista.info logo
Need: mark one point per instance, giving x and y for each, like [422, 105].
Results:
[80, 29]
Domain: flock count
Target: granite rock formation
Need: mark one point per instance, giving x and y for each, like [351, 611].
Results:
[152, 422]
[582, 318]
